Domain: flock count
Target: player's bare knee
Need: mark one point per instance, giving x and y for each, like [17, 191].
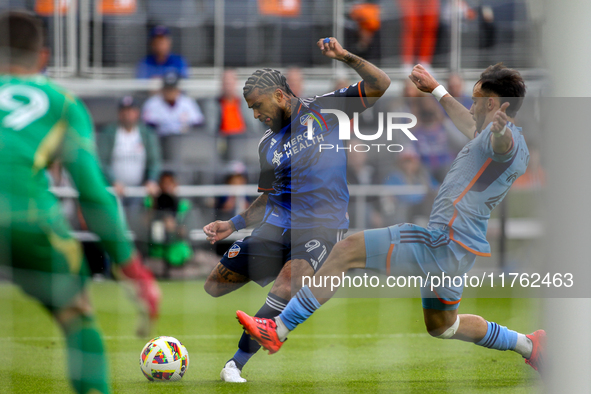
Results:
[442, 325]
[282, 287]
[299, 270]
[342, 252]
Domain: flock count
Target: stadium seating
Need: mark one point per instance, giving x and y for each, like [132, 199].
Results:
[193, 156]
[188, 23]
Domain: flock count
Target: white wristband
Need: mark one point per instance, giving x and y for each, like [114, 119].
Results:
[500, 133]
[439, 92]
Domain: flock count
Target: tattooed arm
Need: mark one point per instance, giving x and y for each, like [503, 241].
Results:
[255, 212]
[218, 230]
[376, 80]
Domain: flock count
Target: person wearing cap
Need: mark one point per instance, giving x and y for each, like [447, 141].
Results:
[171, 111]
[229, 206]
[130, 150]
[161, 60]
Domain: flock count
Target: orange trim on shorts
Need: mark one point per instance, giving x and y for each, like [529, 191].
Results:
[457, 200]
[477, 253]
[388, 256]
[445, 301]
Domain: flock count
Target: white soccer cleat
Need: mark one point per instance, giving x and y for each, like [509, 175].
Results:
[231, 373]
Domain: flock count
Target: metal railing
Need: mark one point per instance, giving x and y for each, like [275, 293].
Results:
[516, 228]
[80, 36]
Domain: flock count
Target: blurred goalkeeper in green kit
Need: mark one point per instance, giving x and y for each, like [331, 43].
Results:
[39, 123]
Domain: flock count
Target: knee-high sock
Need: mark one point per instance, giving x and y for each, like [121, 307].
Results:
[87, 363]
[248, 347]
[498, 337]
[299, 308]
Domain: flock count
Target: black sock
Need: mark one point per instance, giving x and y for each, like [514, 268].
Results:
[248, 347]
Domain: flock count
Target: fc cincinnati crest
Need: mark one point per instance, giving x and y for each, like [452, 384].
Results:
[277, 158]
[304, 119]
[233, 252]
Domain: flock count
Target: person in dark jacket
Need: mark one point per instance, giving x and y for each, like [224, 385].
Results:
[130, 151]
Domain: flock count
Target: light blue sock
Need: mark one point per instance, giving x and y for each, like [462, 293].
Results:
[299, 308]
[499, 337]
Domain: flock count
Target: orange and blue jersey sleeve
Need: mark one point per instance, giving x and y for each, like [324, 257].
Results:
[98, 205]
[355, 95]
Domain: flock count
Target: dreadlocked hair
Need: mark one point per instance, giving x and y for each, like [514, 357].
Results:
[266, 79]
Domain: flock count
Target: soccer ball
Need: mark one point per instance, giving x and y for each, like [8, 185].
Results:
[164, 359]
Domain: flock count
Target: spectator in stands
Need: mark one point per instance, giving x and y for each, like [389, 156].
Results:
[420, 20]
[233, 110]
[367, 16]
[229, 117]
[409, 208]
[227, 207]
[295, 80]
[167, 214]
[160, 60]
[360, 172]
[455, 87]
[59, 177]
[434, 143]
[171, 111]
[130, 150]
[407, 100]
[487, 28]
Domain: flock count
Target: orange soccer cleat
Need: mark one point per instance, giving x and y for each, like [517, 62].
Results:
[536, 360]
[264, 331]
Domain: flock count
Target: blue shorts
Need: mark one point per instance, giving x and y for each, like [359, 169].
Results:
[261, 256]
[407, 249]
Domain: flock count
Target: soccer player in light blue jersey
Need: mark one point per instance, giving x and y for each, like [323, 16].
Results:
[299, 216]
[477, 182]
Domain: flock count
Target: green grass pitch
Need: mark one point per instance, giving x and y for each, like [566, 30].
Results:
[349, 346]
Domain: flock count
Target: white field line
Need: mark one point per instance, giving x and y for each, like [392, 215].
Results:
[234, 336]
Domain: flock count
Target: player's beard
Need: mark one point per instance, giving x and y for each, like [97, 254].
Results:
[479, 123]
[479, 120]
[278, 121]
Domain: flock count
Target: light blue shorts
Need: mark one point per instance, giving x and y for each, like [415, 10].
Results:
[410, 250]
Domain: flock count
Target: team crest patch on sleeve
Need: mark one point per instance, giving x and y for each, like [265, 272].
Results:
[233, 252]
[304, 119]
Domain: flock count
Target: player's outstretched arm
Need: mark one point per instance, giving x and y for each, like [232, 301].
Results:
[376, 80]
[218, 230]
[100, 209]
[459, 114]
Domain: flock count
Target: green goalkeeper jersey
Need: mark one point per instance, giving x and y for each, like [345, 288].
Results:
[40, 123]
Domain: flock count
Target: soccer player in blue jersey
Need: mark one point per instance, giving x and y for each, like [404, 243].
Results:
[478, 180]
[299, 216]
